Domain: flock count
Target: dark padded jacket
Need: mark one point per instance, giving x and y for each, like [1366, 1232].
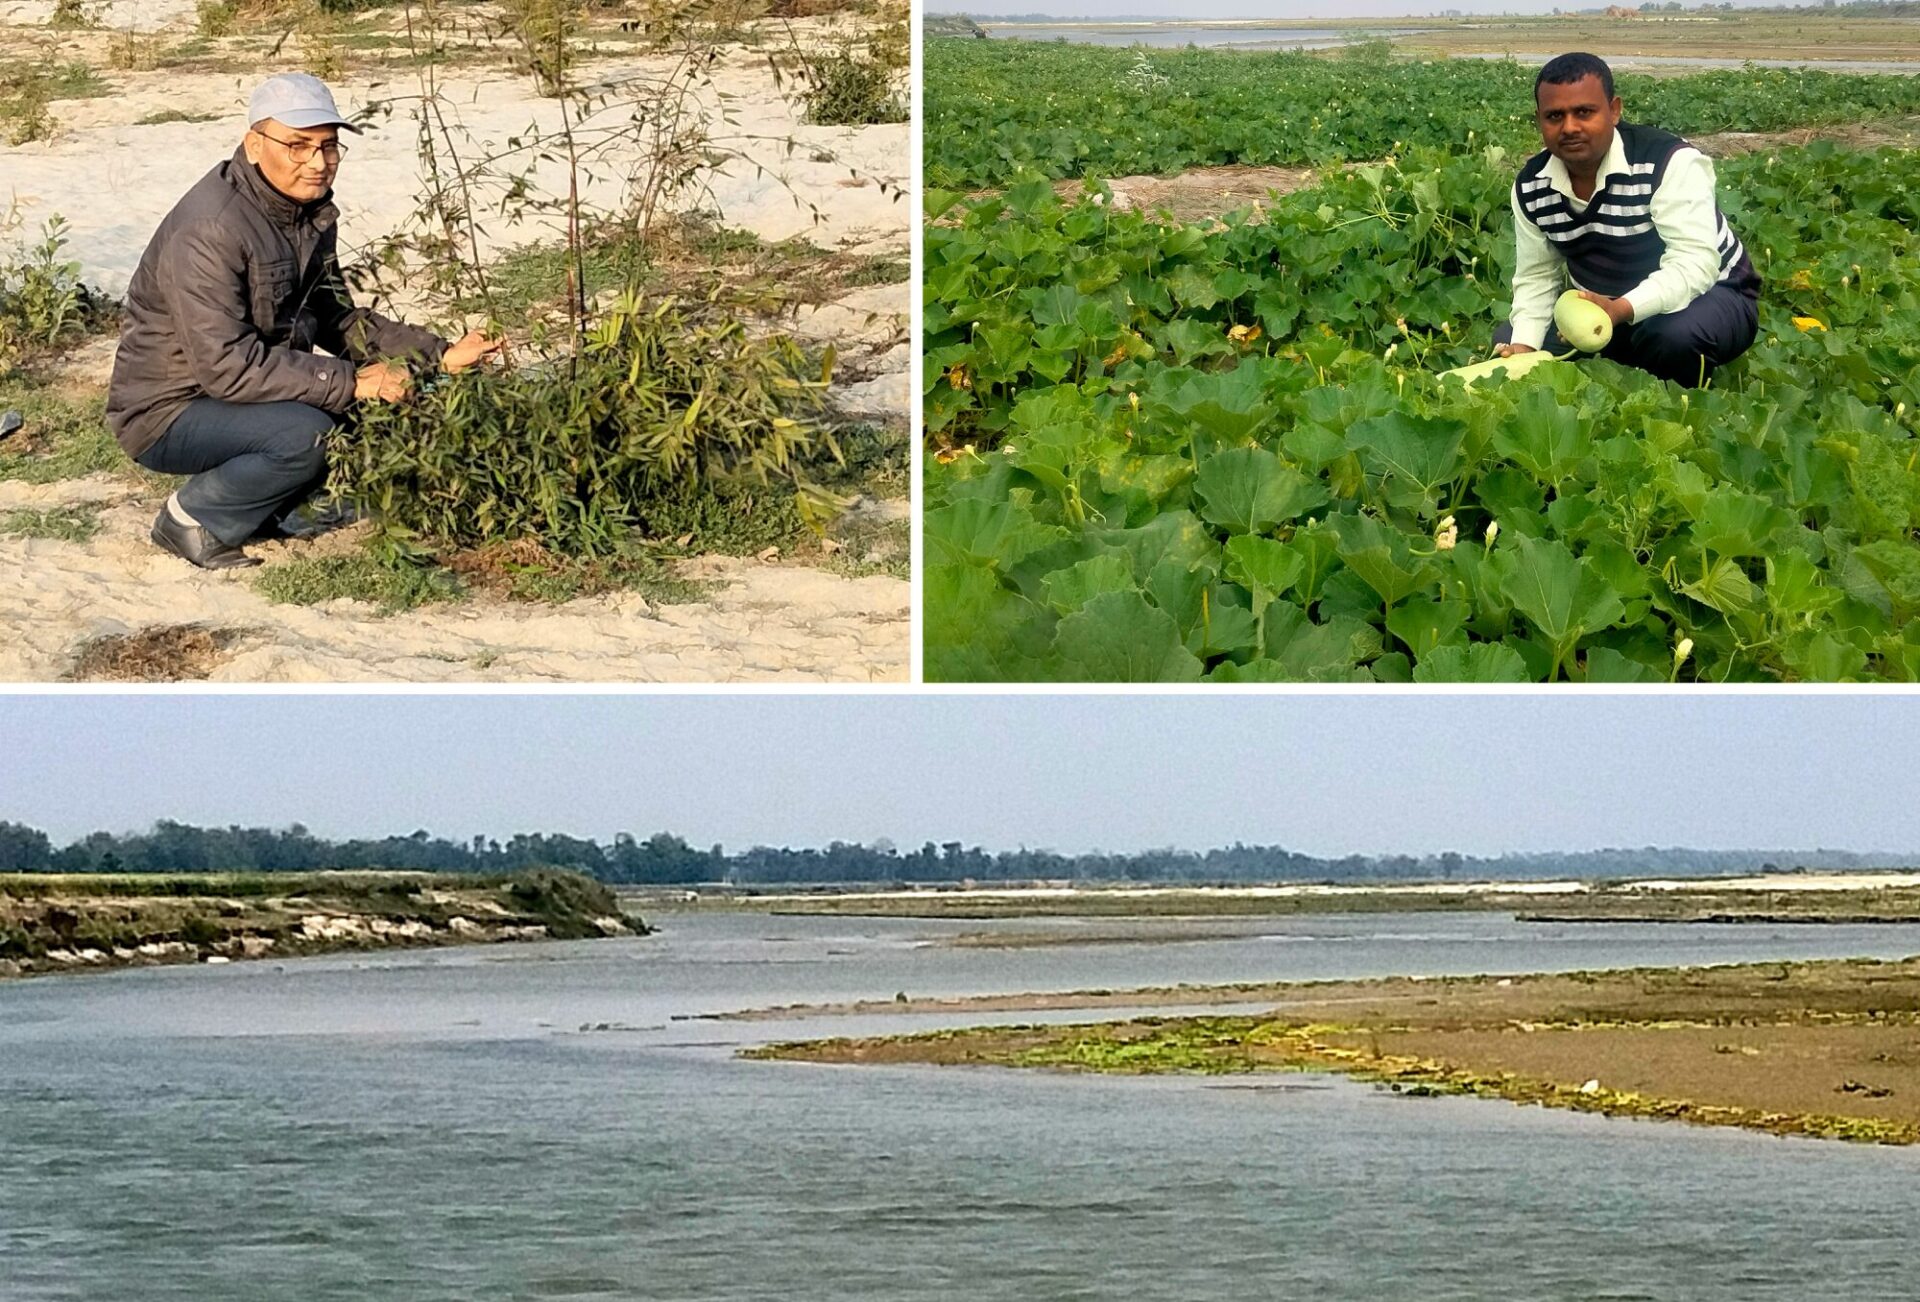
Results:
[237, 288]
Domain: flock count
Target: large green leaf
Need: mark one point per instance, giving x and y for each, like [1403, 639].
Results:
[1733, 523]
[1558, 593]
[1379, 555]
[1250, 490]
[1547, 438]
[978, 532]
[1118, 638]
[1480, 662]
[1424, 625]
[1420, 452]
[1264, 567]
[1069, 589]
[973, 627]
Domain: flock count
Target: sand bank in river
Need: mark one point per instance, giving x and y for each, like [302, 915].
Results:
[1828, 1049]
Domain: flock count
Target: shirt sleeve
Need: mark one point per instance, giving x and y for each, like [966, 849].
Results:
[1538, 276]
[1684, 215]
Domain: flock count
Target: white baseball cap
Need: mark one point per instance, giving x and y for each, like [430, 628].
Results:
[298, 100]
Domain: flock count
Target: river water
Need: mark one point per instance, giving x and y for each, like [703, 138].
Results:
[545, 1121]
[1177, 37]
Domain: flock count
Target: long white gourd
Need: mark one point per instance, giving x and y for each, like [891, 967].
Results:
[1511, 367]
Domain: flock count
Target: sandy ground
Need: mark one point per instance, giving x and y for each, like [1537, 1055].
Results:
[1829, 1048]
[841, 188]
[768, 623]
[113, 180]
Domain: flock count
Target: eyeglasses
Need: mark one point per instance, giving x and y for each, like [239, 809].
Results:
[302, 152]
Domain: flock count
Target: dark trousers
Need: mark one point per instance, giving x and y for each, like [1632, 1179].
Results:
[1715, 328]
[250, 462]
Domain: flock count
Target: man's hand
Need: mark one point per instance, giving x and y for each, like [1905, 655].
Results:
[1513, 350]
[469, 350]
[381, 382]
[1618, 310]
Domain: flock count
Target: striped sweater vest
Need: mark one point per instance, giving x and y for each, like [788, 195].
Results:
[1612, 246]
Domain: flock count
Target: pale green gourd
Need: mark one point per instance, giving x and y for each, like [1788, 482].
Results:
[1582, 322]
[1511, 367]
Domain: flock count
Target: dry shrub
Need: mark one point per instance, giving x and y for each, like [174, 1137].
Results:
[159, 653]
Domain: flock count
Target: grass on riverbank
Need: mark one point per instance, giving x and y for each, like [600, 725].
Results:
[65, 922]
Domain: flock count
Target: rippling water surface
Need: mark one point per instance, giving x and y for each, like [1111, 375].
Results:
[456, 1124]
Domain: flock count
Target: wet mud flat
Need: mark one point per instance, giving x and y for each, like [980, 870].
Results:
[1825, 1049]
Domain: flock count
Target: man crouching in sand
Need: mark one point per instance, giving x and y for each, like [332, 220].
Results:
[216, 375]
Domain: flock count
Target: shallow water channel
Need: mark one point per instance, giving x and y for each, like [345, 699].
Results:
[457, 1124]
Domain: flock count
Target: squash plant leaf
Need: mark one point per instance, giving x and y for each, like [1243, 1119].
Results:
[1118, 638]
[1250, 490]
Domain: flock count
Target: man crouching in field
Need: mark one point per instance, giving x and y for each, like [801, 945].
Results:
[216, 376]
[1628, 214]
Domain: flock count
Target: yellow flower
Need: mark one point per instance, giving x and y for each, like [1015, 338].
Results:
[1807, 323]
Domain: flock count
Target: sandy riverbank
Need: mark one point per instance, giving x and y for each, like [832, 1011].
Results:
[51, 924]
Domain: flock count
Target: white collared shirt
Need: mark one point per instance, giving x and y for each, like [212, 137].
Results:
[1683, 214]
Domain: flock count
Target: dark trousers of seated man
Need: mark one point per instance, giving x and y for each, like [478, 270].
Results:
[1715, 328]
[251, 462]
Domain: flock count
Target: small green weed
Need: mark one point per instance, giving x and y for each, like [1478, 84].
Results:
[358, 576]
[874, 460]
[63, 524]
[65, 436]
[42, 301]
[531, 280]
[849, 89]
[70, 15]
[217, 17]
[174, 115]
[525, 571]
[881, 270]
[869, 547]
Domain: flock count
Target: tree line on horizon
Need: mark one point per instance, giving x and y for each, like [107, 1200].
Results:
[665, 859]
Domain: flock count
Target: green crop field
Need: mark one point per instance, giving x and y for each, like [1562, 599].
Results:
[1165, 451]
[996, 110]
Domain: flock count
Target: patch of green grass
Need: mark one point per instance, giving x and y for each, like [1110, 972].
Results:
[530, 280]
[874, 459]
[65, 436]
[727, 519]
[174, 115]
[869, 547]
[74, 80]
[526, 571]
[879, 270]
[70, 15]
[358, 576]
[64, 524]
[851, 88]
[634, 572]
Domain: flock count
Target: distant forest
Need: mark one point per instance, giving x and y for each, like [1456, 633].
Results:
[665, 859]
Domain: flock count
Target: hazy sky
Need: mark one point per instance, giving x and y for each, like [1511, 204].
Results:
[1278, 9]
[1321, 774]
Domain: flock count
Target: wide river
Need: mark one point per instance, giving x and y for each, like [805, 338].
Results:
[542, 1121]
